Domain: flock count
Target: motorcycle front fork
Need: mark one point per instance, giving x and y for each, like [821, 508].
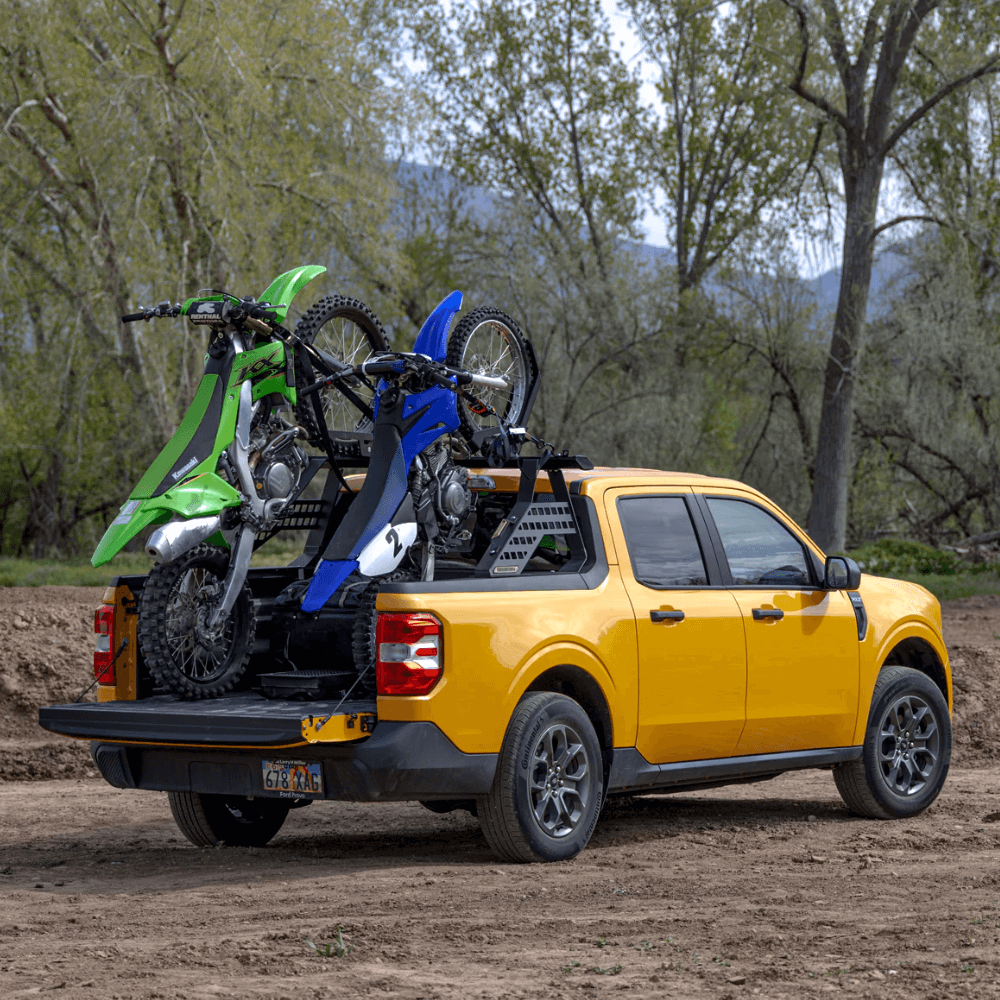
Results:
[256, 514]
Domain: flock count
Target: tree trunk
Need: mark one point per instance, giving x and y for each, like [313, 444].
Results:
[827, 520]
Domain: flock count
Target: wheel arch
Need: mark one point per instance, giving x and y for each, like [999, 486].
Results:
[909, 643]
[918, 654]
[576, 683]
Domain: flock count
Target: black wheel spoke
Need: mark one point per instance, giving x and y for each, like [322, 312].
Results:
[558, 781]
[909, 745]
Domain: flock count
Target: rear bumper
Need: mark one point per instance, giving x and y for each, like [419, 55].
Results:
[400, 761]
[136, 745]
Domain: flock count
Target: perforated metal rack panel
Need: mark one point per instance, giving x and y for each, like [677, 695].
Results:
[299, 515]
[527, 530]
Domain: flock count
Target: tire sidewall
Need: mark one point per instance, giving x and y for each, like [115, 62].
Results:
[268, 817]
[457, 343]
[912, 682]
[559, 709]
[161, 662]
[308, 328]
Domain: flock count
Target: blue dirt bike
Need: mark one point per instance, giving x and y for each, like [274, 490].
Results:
[479, 382]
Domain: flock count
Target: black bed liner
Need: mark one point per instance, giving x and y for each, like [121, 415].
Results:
[243, 718]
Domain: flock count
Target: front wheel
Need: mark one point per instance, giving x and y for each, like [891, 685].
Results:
[488, 342]
[549, 782]
[182, 652]
[906, 752]
[233, 820]
[347, 330]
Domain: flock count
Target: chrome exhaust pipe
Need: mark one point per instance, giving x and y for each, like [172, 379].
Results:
[177, 537]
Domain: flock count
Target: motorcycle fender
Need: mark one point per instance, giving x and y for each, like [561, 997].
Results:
[286, 286]
[432, 339]
[199, 496]
[135, 515]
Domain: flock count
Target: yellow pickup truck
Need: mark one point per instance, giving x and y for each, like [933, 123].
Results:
[641, 631]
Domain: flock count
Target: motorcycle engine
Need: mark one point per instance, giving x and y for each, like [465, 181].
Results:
[442, 498]
[276, 460]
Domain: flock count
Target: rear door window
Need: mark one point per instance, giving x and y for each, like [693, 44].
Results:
[662, 543]
[760, 549]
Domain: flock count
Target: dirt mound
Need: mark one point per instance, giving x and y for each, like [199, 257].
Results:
[47, 638]
[976, 681]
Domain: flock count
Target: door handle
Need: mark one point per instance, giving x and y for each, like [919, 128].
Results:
[763, 614]
[666, 616]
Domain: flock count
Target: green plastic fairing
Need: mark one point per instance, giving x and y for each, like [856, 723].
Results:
[286, 286]
[174, 448]
[200, 496]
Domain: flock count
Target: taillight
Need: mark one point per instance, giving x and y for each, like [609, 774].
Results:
[408, 660]
[104, 626]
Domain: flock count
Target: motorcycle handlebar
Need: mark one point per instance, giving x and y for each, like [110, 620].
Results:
[163, 309]
[396, 366]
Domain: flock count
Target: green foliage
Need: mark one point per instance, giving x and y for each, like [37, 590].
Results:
[895, 556]
[729, 139]
[150, 150]
[25, 572]
[337, 948]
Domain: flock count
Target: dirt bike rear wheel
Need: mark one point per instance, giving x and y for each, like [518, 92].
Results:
[183, 654]
[488, 342]
[349, 331]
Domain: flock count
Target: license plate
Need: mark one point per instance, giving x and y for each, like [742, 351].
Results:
[292, 779]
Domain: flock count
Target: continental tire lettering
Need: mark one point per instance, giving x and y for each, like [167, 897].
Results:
[527, 746]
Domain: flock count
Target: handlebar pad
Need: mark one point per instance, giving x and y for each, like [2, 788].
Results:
[382, 367]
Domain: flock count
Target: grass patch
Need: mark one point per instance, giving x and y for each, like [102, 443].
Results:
[79, 573]
[69, 572]
[953, 586]
[942, 571]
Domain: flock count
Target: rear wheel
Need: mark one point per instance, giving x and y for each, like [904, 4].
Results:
[549, 782]
[906, 752]
[488, 342]
[347, 330]
[234, 820]
[183, 653]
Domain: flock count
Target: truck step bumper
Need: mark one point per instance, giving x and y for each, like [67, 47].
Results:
[400, 761]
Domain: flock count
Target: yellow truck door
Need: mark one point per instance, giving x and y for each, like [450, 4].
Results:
[802, 642]
[691, 647]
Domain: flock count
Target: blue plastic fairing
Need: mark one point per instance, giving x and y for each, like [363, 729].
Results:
[433, 337]
[328, 577]
[441, 417]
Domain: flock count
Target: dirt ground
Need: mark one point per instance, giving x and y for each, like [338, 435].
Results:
[767, 890]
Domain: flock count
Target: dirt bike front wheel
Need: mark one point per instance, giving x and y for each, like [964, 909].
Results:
[184, 654]
[345, 329]
[488, 342]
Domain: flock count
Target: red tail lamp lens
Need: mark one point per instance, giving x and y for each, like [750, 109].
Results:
[408, 660]
[104, 640]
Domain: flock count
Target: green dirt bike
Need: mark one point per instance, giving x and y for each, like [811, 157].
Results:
[232, 467]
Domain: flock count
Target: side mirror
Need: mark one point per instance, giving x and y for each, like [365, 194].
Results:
[841, 573]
